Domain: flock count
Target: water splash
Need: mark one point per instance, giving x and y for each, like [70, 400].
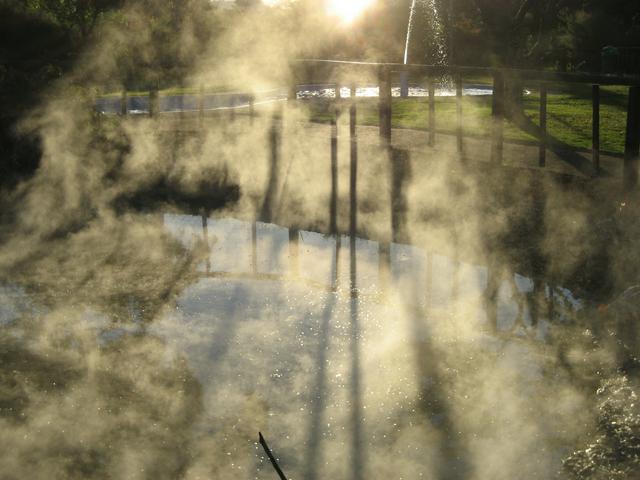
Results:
[439, 53]
[435, 29]
[409, 28]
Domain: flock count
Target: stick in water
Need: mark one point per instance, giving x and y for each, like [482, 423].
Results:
[271, 457]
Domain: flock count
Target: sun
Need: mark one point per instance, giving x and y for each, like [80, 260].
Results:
[347, 10]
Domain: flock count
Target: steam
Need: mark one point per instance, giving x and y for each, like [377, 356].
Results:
[137, 341]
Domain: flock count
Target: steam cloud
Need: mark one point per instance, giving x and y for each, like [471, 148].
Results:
[120, 359]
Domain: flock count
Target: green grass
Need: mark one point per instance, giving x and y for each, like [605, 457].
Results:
[568, 116]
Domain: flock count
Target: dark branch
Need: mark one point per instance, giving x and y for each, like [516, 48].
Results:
[271, 457]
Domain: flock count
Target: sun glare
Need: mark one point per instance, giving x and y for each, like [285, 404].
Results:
[347, 10]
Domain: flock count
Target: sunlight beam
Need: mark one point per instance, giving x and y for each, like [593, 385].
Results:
[347, 11]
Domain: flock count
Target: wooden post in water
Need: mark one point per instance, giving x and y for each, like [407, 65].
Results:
[384, 97]
[632, 140]
[497, 112]
[595, 127]
[542, 145]
[459, 114]
[432, 112]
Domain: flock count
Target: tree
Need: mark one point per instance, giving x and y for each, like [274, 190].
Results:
[79, 16]
[34, 51]
[594, 25]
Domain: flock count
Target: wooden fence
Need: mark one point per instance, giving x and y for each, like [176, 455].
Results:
[501, 78]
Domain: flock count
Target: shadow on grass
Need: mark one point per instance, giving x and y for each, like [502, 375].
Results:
[563, 150]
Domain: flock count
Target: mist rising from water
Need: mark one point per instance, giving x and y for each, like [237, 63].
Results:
[131, 362]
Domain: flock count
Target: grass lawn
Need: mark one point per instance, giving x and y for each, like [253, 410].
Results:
[568, 116]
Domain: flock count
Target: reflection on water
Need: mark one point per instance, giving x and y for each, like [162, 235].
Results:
[322, 260]
[262, 337]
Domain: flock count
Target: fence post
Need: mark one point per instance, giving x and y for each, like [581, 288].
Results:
[232, 107]
[275, 142]
[293, 90]
[384, 80]
[432, 112]
[404, 84]
[252, 113]
[353, 190]
[595, 128]
[333, 202]
[294, 251]
[542, 146]
[254, 247]
[384, 267]
[632, 139]
[153, 102]
[205, 233]
[201, 105]
[490, 296]
[459, 113]
[123, 103]
[497, 112]
[400, 174]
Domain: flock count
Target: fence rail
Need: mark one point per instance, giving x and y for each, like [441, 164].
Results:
[326, 71]
[501, 77]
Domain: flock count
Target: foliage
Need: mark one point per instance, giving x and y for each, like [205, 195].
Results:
[34, 52]
[42, 40]
[592, 25]
[78, 16]
[615, 452]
